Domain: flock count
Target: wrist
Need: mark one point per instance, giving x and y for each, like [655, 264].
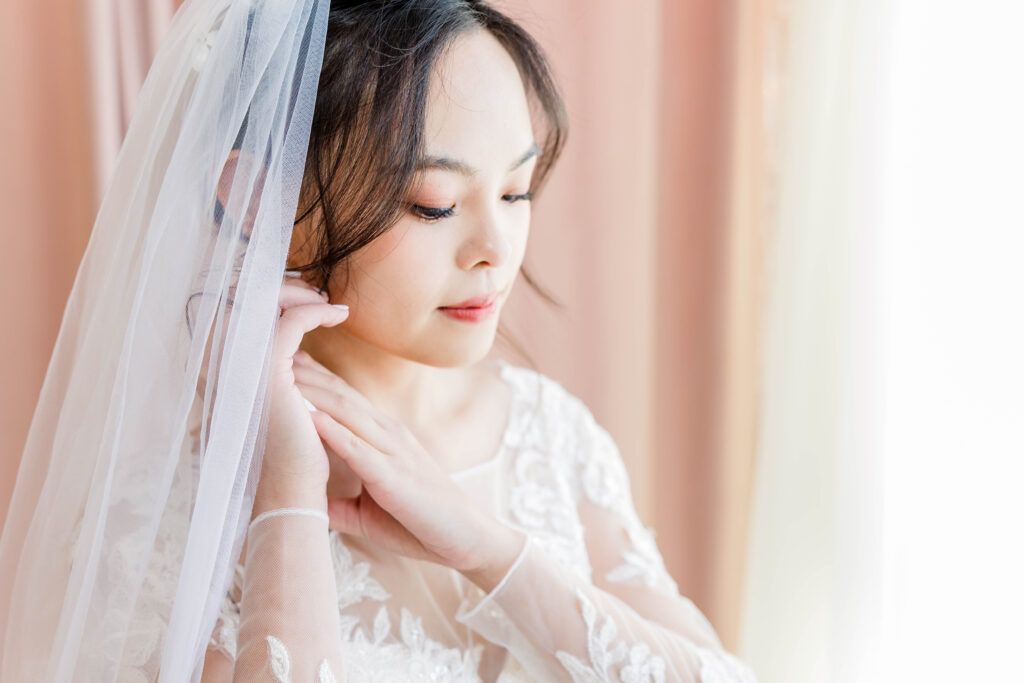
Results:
[274, 494]
[503, 549]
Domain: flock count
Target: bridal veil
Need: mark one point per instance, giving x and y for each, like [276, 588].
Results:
[148, 430]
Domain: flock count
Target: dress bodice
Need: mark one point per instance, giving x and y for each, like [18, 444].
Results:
[587, 599]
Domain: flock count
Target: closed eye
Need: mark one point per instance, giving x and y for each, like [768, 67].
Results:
[431, 214]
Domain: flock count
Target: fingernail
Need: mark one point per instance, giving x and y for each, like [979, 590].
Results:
[340, 307]
[293, 273]
[309, 404]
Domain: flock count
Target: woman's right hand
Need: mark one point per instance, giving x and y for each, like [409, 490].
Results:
[295, 466]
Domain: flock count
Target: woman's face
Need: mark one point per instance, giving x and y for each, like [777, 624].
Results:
[466, 233]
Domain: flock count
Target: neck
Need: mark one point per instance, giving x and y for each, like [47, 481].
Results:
[414, 393]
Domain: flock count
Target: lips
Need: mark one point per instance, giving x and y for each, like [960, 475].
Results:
[473, 310]
[482, 301]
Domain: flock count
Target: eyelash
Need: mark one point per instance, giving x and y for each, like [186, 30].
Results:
[431, 214]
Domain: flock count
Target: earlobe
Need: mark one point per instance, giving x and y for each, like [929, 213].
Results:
[238, 190]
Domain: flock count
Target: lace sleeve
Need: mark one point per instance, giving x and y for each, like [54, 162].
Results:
[289, 627]
[629, 625]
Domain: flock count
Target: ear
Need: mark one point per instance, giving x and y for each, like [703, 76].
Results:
[240, 167]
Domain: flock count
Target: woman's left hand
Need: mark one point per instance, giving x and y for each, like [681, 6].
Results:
[408, 504]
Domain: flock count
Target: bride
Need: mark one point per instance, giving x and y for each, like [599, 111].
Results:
[406, 510]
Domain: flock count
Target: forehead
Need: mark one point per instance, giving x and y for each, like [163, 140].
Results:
[476, 105]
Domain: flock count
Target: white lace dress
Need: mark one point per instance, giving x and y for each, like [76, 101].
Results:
[588, 598]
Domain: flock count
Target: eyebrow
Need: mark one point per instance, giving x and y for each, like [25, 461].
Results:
[462, 168]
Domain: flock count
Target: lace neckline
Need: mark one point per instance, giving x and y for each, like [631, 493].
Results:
[515, 412]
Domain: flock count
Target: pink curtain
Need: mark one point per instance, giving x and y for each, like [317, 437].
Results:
[46, 189]
[650, 233]
[123, 38]
[71, 72]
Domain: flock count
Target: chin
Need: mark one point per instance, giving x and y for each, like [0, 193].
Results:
[452, 353]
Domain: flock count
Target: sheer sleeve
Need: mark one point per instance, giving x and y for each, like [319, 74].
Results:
[286, 627]
[630, 624]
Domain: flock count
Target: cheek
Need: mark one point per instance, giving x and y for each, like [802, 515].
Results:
[397, 276]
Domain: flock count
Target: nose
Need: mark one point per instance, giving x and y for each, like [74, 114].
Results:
[487, 242]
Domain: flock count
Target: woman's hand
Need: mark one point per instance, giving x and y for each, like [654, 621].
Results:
[295, 467]
[408, 504]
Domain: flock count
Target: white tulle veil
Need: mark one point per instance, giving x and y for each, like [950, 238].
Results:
[138, 476]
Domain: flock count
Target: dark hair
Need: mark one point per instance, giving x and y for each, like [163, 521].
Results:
[367, 129]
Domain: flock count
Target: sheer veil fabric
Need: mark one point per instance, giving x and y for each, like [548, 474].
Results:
[147, 435]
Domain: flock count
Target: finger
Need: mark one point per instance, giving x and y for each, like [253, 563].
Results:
[345, 516]
[312, 363]
[350, 516]
[363, 516]
[296, 278]
[293, 295]
[307, 371]
[297, 321]
[309, 374]
[321, 377]
[368, 463]
[316, 373]
[349, 413]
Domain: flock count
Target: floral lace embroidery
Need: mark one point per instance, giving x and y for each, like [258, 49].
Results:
[537, 505]
[539, 497]
[553, 455]
[225, 632]
[600, 480]
[371, 658]
[281, 666]
[589, 461]
[642, 560]
[352, 578]
[202, 40]
[147, 621]
[604, 654]
[605, 483]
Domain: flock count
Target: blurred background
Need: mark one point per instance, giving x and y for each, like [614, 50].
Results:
[789, 238]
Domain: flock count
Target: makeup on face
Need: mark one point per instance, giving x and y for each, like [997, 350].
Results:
[474, 309]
